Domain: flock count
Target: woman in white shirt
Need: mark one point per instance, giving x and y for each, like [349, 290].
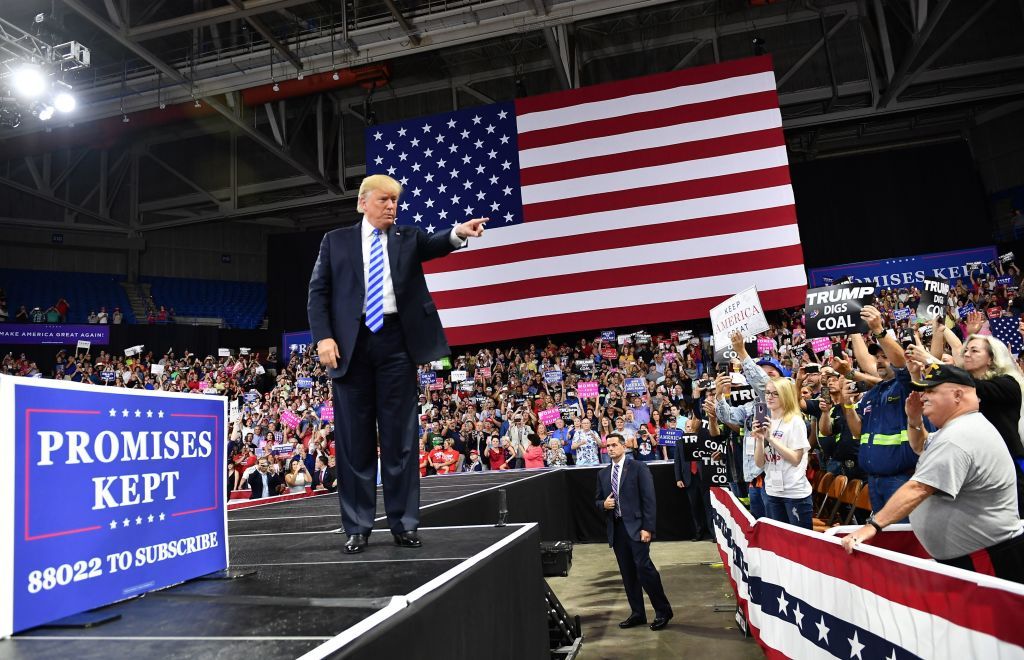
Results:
[781, 447]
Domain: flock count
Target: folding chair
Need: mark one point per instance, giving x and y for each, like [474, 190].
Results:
[831, 504]
[861, 508]
[821, 489]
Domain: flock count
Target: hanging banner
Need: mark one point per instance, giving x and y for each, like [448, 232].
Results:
[801, 596]
[908, 271]
[835, 310]
[45, 333]
[118, 493]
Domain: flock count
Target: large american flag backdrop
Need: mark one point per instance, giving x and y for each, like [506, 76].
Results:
[642, 201]
[801, 596]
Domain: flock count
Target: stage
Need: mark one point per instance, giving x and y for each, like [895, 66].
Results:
[300, 596]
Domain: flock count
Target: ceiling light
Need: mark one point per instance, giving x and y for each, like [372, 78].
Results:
[335, 76]
[45, 112]
[64, 102]
[276, 87]
[125, 119]
[28, 81]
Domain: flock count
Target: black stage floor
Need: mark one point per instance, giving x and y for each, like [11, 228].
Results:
[308, 599]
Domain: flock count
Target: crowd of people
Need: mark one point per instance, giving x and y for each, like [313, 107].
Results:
[844, 407]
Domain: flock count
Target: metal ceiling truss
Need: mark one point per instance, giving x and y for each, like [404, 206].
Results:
[897, 80]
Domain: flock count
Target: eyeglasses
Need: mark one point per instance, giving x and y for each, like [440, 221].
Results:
[768, 393]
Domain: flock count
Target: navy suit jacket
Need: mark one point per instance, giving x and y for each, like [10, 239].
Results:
[636, 499]
[337, 291]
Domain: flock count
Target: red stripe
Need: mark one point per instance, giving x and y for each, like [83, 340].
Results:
[670, 231]
[672, 153]
[983, 562]
[596, 319]
[640, 121]
[645, 84]
[663, 194]
[739, 515]
[525, 287]
[967, 604]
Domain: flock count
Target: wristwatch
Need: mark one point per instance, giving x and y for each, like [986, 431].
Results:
[878, 335]
[871, 521]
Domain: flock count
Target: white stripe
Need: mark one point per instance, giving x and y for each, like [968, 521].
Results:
[460, 569]
[647, 101]
[638, 216]
[617, 257]
[643, 294]
[396, 605]
[641, 178]
[650, 138]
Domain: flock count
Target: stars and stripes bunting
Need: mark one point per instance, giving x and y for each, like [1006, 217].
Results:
[802, 596]
[651, 199]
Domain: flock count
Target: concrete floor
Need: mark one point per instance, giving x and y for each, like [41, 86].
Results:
[593, 590]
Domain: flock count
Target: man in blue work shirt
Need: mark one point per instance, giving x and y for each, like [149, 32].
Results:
[880, 418]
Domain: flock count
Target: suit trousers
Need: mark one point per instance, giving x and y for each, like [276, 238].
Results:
[700, 507]
[638, 572]
[378, 394]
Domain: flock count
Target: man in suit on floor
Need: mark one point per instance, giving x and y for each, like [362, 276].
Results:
[625, 492]
[373, 321]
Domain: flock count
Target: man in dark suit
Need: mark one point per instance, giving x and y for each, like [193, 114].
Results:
[262, 482]
[625, 492]
[373, 321]
[325, 476]
[691, 477]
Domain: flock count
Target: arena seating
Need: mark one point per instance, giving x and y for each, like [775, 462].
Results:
[84, 292]
[240, 304]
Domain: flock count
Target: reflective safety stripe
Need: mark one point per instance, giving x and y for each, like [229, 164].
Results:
[883, 439]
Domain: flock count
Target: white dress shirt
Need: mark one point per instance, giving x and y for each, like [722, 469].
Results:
[390, 304]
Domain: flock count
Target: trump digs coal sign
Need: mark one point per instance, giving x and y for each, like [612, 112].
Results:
[109, 494]
[835, 310]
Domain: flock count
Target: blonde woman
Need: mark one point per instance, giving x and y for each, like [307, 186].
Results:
[780, 448]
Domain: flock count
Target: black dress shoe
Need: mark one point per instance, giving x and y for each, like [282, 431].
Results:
[408, 540]
[660, 622]
[355, 544]
[633, 621]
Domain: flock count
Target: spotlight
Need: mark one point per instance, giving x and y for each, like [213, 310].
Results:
[197, 104]
[301, 76]
[276, 87]
[125, 119]
[758, 44]
[28, 81]
[162, 105]
[336, 76]
[45, 113]
[64, 102]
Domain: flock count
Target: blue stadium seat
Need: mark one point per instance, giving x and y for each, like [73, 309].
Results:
[83, 291]
[240, 304]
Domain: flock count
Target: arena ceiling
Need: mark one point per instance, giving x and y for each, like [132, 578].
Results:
[179, 121]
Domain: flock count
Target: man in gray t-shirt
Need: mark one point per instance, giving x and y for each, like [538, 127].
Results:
[963, 495]
[975, 501]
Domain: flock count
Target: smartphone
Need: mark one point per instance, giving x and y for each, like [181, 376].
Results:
[760, 413]
[812, 368]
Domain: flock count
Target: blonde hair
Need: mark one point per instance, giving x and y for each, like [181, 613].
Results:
[787, 397]
[377, 182]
